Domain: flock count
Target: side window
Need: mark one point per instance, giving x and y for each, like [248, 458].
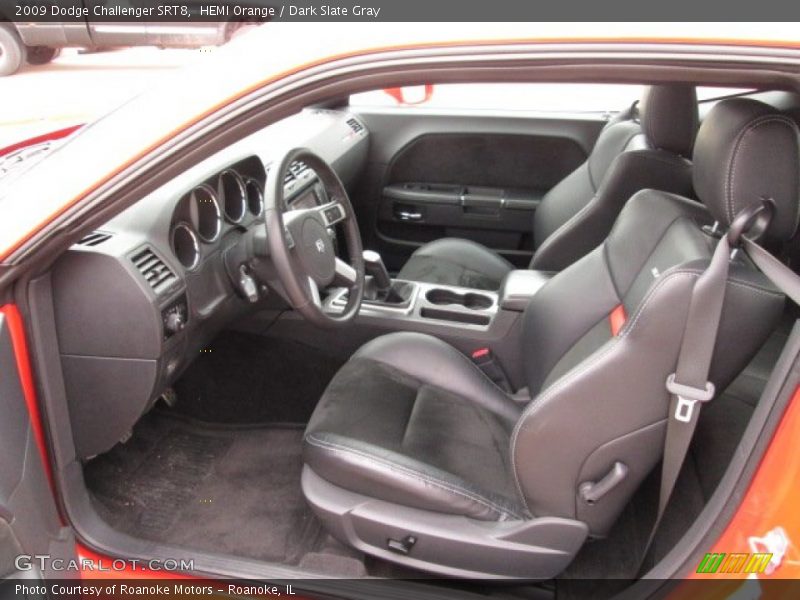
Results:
[715, 94]
[528, 97]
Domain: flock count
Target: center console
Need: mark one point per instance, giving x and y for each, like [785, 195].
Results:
[472, 320]
[429, 303]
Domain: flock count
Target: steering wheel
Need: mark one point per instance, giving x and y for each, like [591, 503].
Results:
[302, 250]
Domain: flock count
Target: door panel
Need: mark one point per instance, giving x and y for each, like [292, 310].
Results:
[29, 521]
[474, 176]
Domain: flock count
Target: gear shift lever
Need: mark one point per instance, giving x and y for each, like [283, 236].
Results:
[373, 265]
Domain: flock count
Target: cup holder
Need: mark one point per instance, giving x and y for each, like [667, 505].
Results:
[469, 300]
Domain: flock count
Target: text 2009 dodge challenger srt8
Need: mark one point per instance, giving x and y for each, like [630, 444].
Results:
[257, 327]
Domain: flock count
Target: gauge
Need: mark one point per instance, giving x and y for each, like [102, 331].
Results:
[232, 194]
[205, 213]
[255, 197]
[185, 245]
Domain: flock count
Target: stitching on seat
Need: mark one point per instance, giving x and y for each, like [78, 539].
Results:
[472, 366]
[414, 405]
[570, 376]
[566, 225]
[450, 487]
[743, 284]
[576, 373]
[657, 243]
[571, 222]
[574, 219]
[764, 120]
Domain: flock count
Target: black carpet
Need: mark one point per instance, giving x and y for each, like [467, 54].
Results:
[229, 490]
[234, 489]
[245, 378]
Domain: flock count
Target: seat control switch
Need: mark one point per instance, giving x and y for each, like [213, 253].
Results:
[401, 546]
[590, 491]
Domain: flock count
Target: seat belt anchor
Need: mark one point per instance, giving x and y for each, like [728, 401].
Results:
[688, 396]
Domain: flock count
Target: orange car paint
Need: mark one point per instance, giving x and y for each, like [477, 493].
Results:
[97, 566]
[19, 342]
[771, 501]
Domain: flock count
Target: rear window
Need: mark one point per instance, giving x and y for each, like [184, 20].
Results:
[535, 97]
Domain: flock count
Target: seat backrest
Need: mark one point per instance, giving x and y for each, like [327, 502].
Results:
[599, 385]
[577, 214]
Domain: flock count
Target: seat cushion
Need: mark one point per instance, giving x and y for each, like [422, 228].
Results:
[401, 437]
[453, 261]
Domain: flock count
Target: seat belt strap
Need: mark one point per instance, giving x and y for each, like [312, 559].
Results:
[782, 276]
[689, 387]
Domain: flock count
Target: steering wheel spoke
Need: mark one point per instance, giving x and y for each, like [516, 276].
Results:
[289, 237]
[313, 292]
[345, 275]
[301, 248]
[331, 213]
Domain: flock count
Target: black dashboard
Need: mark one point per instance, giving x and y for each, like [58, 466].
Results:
[136, 300]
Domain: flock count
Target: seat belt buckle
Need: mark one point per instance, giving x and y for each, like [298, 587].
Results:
[688, 396]
[484, 359]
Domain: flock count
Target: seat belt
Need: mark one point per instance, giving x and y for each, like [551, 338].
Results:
[689, 387]
[782, 276]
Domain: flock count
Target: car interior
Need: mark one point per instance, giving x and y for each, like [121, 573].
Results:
[430, 342]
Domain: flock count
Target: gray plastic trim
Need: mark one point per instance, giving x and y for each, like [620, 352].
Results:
[520, 286]
[449, 545]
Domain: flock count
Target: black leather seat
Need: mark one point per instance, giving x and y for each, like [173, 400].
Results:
[577, 214]
[414, 455]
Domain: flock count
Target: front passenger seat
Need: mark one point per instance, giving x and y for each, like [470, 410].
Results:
[415, 456]
[577, 214]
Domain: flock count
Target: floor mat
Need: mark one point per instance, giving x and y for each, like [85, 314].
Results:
[230, 490]
[246, 378]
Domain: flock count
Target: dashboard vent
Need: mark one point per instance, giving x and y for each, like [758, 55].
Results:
[157, 274]
[355, 125]
[93, 239]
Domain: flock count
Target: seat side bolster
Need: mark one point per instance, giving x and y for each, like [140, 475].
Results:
[454, 261]
[617, 390]
[431, 361]
[619, 393]
[365, 468]
[586, 229]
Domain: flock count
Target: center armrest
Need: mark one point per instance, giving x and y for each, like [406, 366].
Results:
[519, 286]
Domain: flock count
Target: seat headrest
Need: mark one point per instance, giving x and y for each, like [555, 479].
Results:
[668, 115]
[746, 151]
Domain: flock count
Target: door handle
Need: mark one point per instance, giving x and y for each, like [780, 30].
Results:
[407, 215]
